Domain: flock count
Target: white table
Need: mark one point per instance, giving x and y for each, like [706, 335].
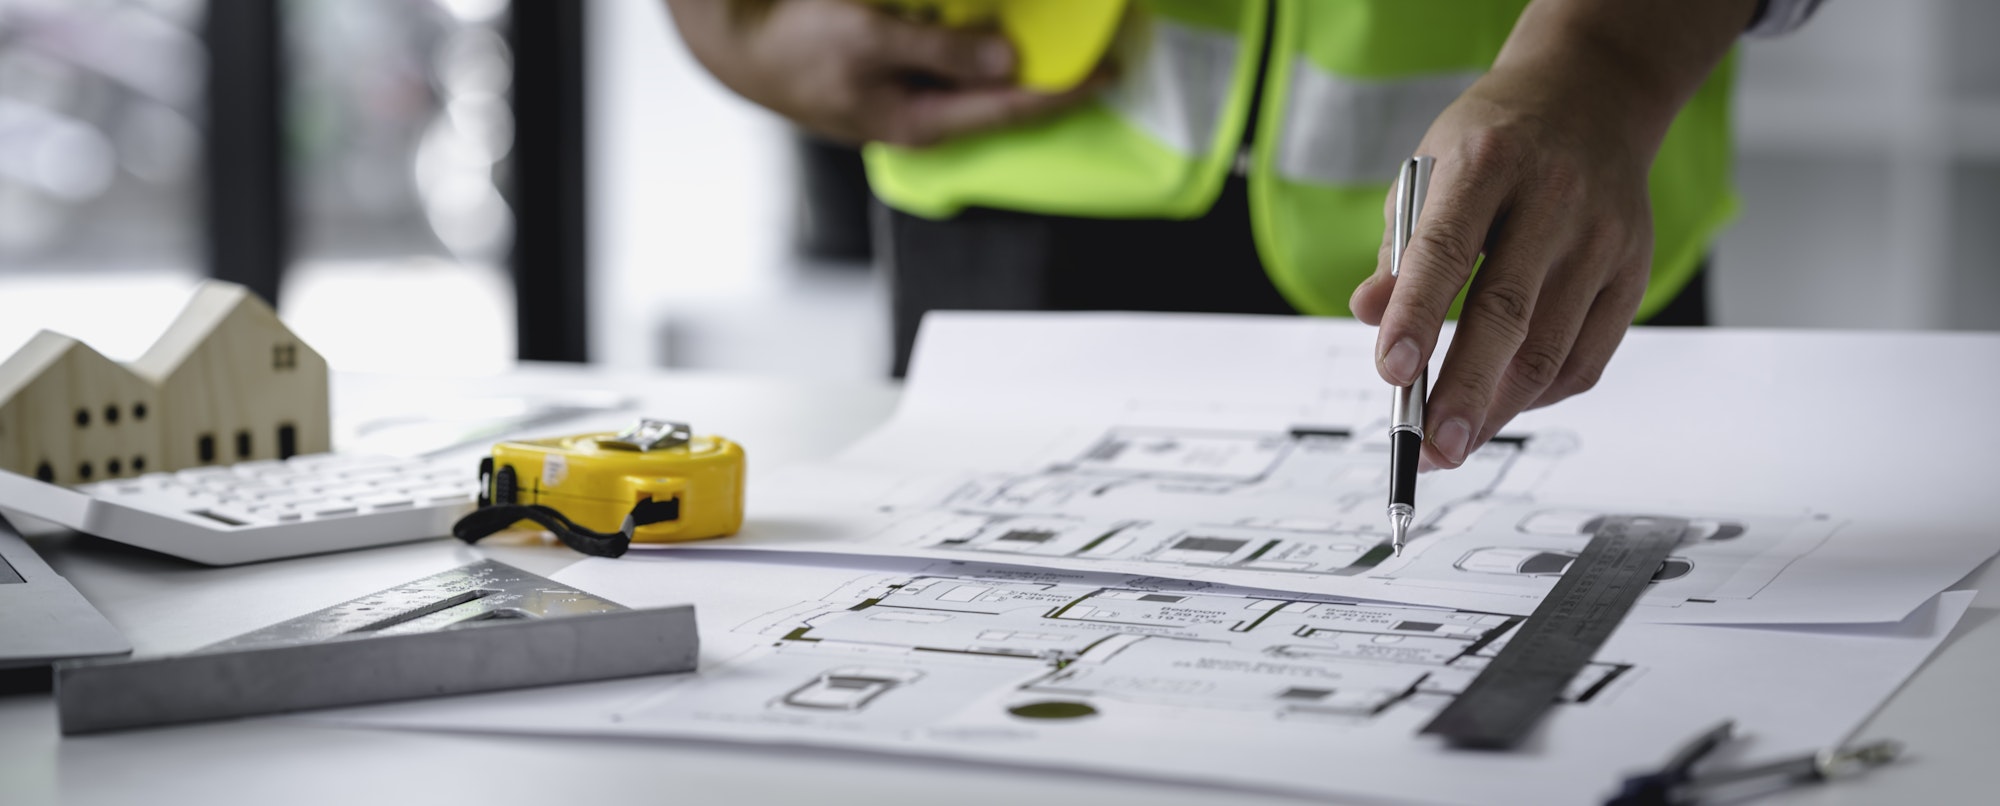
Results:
[1949, 713]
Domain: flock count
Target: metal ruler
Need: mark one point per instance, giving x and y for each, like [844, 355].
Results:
[485, 626]
[1513, 692]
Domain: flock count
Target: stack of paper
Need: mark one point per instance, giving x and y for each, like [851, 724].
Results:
[1155, 545]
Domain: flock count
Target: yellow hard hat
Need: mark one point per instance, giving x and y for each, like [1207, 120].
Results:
[1059, 41]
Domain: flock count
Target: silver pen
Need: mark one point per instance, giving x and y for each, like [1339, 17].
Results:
[1406, 421]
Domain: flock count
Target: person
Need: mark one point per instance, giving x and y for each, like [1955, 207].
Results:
[1235, 156]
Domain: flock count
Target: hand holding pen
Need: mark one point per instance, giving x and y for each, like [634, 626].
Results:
[1542, 185]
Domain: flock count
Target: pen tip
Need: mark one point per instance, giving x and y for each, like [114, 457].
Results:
[1399, 549]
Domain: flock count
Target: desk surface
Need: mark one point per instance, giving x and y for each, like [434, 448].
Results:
[1947, 713]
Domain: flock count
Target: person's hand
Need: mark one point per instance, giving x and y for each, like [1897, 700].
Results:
[854, 73]
[1562, 216]
[1541, 167]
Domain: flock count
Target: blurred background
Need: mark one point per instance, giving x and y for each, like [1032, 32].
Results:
[451, 185]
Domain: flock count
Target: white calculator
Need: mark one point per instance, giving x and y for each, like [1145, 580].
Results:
[224, 515]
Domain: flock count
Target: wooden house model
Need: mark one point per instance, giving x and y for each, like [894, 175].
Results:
[69, 415]
[226, 383]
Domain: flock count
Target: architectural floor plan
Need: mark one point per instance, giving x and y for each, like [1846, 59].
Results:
[1173, 679]
[1153, 546]
[1309, 501]
[1254, 452]
[1301, 509]
[1063, 646]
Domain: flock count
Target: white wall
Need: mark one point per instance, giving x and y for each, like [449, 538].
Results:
[691, 221]
[1869, 163]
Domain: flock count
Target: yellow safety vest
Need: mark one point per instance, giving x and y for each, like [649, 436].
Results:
[1350, 88]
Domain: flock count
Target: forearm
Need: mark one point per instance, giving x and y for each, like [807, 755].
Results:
[1644, 58]
[712, 30]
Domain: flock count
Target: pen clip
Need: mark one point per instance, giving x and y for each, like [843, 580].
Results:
[1412, 184]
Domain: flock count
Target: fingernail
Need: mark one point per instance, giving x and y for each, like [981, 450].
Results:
[1401, 362]
[1452, 438]
[996, 58]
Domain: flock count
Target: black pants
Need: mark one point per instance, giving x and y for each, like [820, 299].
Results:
[987, 259]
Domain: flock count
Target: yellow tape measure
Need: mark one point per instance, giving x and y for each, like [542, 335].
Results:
[656, 482]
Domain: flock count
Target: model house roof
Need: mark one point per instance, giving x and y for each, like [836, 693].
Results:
[34, 358]
[213, 304]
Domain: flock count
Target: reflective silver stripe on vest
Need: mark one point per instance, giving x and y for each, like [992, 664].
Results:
[1174, 84]
[1350, 131]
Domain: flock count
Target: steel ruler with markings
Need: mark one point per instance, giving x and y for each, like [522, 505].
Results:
[1507, 699]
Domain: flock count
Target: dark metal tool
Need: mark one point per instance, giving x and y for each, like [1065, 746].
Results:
[480, 627]
[1505, 701]
[1677, 783]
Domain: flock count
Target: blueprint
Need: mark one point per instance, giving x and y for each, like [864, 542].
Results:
[1254, 452]
[1301, 509]
[1179, 680]
[1153, 546]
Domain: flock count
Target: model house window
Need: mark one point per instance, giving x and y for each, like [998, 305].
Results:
[288, 441]
[243, 444]
[285, 357]
[205, 448]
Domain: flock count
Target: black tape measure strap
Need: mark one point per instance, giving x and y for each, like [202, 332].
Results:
[1512, 693]
[489, 519]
